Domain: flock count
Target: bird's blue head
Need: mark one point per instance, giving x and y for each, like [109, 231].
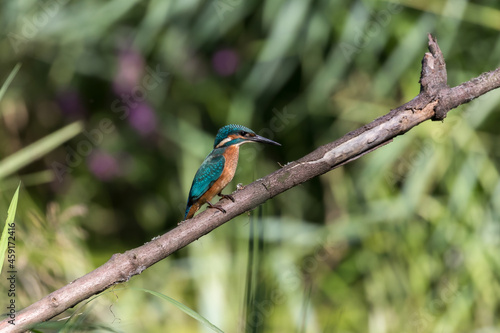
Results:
[236, 135]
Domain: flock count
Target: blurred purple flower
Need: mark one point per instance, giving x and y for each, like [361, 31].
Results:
[71, 104]
[130, 71]
[225, 62]
[103, 165]
[143, 119]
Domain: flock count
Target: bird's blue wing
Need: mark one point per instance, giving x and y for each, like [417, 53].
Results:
[209, 171]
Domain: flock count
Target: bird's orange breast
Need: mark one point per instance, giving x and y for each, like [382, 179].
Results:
[231, 156]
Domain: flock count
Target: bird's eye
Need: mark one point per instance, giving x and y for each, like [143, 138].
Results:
[243, 133]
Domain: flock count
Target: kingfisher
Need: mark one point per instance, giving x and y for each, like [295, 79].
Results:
[218, 168]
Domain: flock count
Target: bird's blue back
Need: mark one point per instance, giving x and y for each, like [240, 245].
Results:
[209, 171]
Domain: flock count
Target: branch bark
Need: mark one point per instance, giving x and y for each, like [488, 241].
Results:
[434, 101]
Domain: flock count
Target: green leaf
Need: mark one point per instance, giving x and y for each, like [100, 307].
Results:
[38, 149]
[183, 308]
[11, 213]
[9, 80]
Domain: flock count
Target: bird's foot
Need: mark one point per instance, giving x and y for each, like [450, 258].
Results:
[216, 207]
[226, 196]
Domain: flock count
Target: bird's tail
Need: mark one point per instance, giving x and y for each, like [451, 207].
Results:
[188, 207]
[191, 208]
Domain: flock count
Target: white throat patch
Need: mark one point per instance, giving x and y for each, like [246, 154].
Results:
[223, 142]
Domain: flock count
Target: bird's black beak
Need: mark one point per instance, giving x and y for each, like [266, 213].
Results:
[258, 138]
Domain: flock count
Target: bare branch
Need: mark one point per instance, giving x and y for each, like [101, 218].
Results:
[433, 102]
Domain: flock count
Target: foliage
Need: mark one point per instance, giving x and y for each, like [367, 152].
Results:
[8, 233]
[405, 239]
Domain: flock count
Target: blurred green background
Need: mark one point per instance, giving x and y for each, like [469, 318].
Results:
[113, 105]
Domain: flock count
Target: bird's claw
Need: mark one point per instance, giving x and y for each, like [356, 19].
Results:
[216, 207]
[226, 196]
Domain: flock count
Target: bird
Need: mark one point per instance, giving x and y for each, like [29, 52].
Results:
[218, 168]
